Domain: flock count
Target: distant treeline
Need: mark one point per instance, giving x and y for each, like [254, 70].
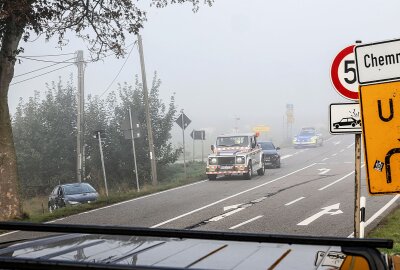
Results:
[45, 132]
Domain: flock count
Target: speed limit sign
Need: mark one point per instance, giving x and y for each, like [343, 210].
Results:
[344, 75]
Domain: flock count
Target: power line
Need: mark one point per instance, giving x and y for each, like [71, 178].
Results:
[40, 69]
[107, 55]
[46, 55]
[117, 73]
[66, 62]
[32, 57]
[46, 61]
[41, 74]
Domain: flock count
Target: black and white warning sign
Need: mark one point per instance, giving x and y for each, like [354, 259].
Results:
[345, 118]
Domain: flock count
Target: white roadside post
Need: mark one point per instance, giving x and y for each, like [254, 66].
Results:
[362, 216]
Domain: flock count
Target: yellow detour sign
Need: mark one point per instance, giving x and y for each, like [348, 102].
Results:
[261, 128]
[380, 110]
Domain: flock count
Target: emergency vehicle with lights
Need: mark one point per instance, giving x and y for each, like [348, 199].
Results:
[235, 154]
[308, 136]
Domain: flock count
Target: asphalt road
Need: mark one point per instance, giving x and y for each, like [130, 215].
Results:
[311, 194]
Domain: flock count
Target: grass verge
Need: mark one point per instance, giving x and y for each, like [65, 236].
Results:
[35, 209]
[389, 228]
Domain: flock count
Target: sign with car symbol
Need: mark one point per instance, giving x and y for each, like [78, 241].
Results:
[345, 118]
[380, 107]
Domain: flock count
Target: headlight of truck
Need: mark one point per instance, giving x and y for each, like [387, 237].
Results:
[213, 161]
[240, 160]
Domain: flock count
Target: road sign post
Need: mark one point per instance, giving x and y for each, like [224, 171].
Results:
[344, 78]
[183, 121]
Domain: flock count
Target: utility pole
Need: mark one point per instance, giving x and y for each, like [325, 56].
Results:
[80, 158]
[148, 119]
[98, 135]
[133, 149]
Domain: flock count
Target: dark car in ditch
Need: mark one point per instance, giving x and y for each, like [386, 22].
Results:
[71, 194]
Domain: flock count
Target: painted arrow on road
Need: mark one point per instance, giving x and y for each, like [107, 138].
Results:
[325, 210]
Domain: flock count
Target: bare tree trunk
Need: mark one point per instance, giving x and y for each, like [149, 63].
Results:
[10, 204]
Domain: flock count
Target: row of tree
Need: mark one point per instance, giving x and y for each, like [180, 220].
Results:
[44, 132]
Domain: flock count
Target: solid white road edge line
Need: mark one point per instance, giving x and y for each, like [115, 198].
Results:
[139, 198]
[378, 213]
[292, 202]
[229, 197]
[286, 156]
[108, 206]
[243, 223]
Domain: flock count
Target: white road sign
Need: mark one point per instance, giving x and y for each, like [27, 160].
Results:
[378, 62]
[344, 118]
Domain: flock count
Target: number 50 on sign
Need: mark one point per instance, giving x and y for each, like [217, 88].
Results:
[344, 75]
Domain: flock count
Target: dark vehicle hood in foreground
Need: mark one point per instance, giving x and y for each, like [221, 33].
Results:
[142, 248]
[166, 252]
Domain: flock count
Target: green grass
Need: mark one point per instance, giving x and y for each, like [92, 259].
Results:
[35, 209]
[389, 228]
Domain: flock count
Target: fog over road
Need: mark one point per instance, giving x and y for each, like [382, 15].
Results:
[311, 194]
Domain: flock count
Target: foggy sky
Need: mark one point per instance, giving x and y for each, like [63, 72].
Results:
[244, 59]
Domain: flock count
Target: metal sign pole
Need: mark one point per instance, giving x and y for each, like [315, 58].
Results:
[357, 185]
[202, 146]
[194, 136]
[183, 136]
[133, 149]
